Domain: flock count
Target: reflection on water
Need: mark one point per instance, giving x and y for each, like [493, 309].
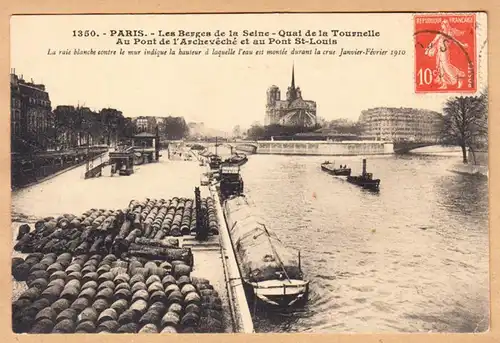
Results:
[411, 258]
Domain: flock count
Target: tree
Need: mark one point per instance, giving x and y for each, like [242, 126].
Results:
[255, 132]
[237, 131]
[321, 121]
[175, 128]
[65, 120]
[466, 122]
[112, 122]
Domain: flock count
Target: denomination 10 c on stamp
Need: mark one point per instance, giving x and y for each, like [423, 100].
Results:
[445, 53]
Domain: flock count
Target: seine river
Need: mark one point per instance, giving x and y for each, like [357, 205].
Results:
[413, 258]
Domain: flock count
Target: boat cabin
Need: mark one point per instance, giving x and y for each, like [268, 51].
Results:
[148, 145]
[122, 162]
[231, 182]
[214, 161]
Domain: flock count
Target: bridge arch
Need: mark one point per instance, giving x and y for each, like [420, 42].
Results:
[246, 147]
[405, 147]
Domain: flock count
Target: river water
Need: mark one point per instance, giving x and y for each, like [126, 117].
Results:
[412, 258]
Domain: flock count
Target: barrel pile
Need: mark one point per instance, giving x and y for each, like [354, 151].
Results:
[96, 294]
[209, 215]
[174, 217]
[148, 227]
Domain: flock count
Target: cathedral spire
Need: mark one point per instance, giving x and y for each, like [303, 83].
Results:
[293, 76]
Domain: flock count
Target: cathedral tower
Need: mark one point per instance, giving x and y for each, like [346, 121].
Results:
[291, 94]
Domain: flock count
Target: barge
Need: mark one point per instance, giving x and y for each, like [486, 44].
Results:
[237, 159]
[214, 161]
[330, 169]
[365, 180]
[271, 273]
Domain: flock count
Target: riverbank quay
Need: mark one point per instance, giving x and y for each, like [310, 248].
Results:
[93, 160]
[477, 165]
[470, 169]
[163, 180]
[27, 170]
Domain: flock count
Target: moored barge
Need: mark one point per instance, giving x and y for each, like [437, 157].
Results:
[237, 159]
[271, 273]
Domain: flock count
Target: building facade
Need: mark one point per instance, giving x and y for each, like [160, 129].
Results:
[401, 124]
[145, 124]
[31, 115]
[293, 111]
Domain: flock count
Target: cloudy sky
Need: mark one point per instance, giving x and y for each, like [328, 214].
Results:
[220, 91]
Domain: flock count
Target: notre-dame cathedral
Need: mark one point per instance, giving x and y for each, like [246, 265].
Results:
[293, 111]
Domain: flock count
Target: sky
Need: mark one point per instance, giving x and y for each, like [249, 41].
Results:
[221, 91]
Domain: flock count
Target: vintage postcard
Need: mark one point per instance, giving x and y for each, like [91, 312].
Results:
[253, 173]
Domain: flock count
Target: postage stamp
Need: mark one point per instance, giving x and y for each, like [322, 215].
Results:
[445, 53]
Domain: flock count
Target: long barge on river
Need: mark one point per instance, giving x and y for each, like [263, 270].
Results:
[271, 273]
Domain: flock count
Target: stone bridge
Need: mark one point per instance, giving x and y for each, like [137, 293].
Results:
[251, 147]
[399, 147]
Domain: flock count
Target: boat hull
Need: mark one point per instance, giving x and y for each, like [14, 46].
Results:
[237, 160]
[373, 185]
[277, 294]
[336, 172]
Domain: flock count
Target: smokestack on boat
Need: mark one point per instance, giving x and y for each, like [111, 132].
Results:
[364, 166]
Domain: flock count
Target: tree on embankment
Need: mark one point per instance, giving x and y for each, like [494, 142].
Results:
[466, 122]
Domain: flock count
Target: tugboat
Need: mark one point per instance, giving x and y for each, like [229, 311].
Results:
[270, 271]
[365, 180]
[330, 169]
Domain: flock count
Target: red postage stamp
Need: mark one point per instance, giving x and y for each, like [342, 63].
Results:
[445, 53]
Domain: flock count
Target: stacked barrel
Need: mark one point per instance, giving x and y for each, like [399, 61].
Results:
[100, 231]
[105, 294]
[208, 208]
[174, 217]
